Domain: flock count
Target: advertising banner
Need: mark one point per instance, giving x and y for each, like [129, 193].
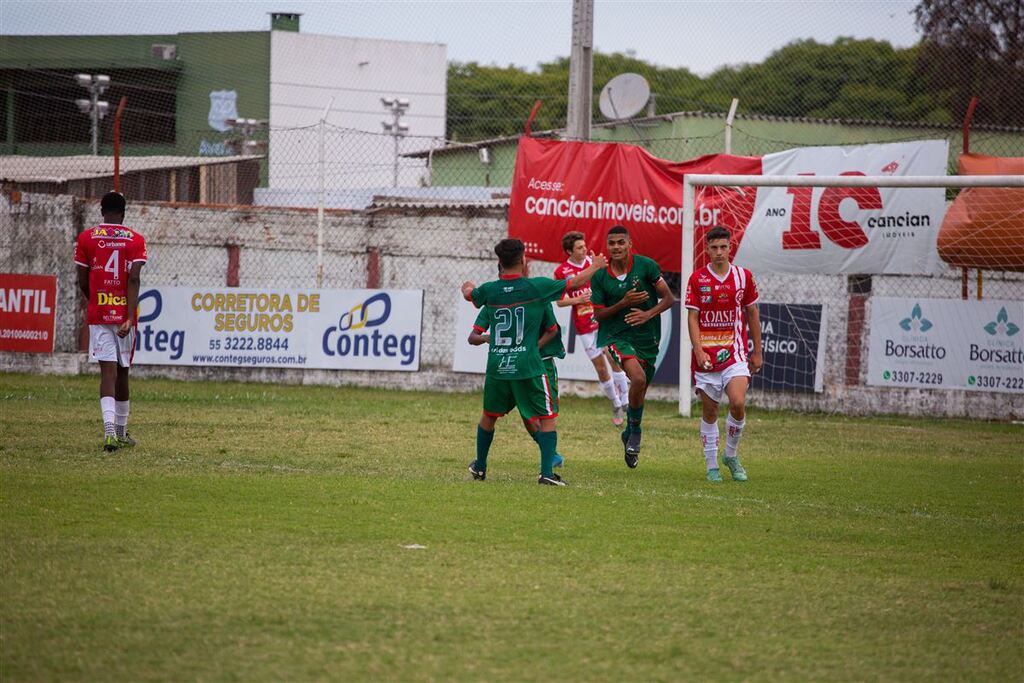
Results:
[947, 343]
[561, 186]
[28, 312]
[792, 341]
[343, 329]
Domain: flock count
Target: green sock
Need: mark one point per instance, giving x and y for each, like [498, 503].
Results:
[635, 415]
[548, 442]
[533, 435]
[483, 444]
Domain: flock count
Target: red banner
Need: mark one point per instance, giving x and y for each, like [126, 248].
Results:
[561, 186]
[28, 312]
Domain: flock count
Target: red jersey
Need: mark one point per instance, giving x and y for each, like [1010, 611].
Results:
[582, 314]
[109, 251]
[721, 306]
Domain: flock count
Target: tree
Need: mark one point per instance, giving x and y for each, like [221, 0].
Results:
[974, 47]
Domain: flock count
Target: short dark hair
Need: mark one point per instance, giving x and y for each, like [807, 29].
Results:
[719, 232]
[618, 230]
[569, 240]
[113, 202]
[509, 252]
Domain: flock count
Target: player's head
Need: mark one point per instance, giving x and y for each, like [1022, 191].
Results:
[113, 205]
[510, 253]
[719, 241]
[619, 242]
[574, 245]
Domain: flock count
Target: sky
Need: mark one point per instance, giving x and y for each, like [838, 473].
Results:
[699, 36]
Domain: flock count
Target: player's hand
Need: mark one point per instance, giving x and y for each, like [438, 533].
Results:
[583, 298]
[467, 289]
[598, 260]
[637, 316]
[703, 360]
[124, 329]
[756, 361]
[634, 297]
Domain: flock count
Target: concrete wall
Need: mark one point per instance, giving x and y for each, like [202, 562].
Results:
[430, 249]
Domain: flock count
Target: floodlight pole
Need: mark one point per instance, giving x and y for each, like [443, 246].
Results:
[581, 71]
[395, 128]
[96, 84]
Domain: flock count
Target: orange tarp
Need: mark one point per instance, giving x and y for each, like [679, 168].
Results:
[984, 227]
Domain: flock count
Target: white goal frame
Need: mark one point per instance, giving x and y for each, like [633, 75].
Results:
[692, 181]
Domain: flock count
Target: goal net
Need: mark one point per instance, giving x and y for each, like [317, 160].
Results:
[874, 292]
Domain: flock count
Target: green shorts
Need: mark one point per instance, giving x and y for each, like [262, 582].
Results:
[536, 397]
[647, 357]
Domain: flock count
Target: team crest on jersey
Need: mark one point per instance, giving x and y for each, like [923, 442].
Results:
[739, 296]
[223, 106]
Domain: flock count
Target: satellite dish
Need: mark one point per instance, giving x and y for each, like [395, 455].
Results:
[624, 96]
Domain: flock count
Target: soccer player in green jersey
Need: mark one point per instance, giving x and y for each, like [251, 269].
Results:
[551, 347]
[628, 297]
[515, 372]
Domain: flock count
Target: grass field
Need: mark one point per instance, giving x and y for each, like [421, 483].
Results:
[258, 533]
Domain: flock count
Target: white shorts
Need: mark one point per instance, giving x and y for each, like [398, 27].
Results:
[713, 383]
[590, 344]
[105, 345]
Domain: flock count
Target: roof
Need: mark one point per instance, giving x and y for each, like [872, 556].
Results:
[559, 132]
[28, 169]
[496, 202]
[444, 197]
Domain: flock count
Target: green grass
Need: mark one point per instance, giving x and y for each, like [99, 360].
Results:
[257, 533]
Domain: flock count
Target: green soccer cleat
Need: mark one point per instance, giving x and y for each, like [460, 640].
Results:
[110, 443]
[735, 469]
[126, 441]
[714, 475]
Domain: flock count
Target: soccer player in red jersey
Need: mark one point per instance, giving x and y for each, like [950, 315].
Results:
[109, 257]
[722, 302]
[615, 385]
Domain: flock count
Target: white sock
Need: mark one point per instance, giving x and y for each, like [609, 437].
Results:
[733, 432]
[107, 408]
[121, 417]
[709, 437]
[609, 390]
[621, 386]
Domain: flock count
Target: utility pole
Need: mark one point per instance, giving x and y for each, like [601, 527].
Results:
[581, 71]
[96, 85]
[395, 128]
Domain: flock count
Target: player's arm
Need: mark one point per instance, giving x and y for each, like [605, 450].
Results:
[597, 262]
[573, 300]
[134, 281]
[754, 321]
[83, 280]
[693, 327]
[479, 336]
[548, 335]
[665, 300]
[633, 297]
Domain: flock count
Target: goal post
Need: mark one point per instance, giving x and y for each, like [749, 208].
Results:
[693, 181]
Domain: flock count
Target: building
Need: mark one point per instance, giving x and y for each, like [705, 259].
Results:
[225, 94]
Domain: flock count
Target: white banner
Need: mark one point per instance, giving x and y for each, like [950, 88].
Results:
[344, 329]
[575, 365]
[844, 229]
[947, 343]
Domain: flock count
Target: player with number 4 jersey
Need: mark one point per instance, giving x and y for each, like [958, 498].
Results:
[109, 257]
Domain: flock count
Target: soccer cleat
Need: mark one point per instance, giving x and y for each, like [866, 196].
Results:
[559, 460]
[478, 475]
[125, 441]
[553, 480]
[110, 443]
[714, 475]
[735, 469]
[631, 442]
[618, 415]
